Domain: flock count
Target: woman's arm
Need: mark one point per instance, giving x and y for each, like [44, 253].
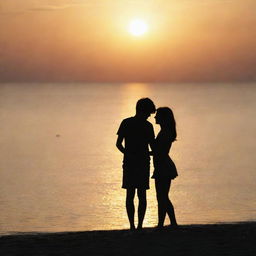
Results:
[152, 146]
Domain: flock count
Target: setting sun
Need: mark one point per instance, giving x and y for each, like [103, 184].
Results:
[138, 27]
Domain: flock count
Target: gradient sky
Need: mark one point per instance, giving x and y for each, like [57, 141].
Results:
[87, 40]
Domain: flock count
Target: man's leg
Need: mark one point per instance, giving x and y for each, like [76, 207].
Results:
[142, 195]
[130, 206]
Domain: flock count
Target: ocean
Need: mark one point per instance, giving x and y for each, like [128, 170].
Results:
[60, 169]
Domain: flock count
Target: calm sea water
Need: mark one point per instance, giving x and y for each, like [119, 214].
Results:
[60, 170]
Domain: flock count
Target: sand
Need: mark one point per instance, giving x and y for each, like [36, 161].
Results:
[216, 239]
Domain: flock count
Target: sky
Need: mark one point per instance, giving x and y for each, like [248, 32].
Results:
[89, 41]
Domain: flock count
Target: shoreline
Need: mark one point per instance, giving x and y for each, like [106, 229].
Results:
[199, 239]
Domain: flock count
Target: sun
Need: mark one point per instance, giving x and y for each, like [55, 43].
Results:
[138, 27]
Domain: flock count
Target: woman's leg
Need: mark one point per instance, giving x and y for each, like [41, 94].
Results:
[164, 203]
[130, 192]
[169, 205]
[160, 201]
[142, 195]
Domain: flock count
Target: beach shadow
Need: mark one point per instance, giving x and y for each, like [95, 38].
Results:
[213, 239]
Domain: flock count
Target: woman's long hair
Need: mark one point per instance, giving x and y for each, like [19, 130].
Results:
[167, 120]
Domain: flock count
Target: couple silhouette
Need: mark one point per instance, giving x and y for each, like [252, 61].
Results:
[135, 135]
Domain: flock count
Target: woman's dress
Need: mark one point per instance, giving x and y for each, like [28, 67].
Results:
[164, 167]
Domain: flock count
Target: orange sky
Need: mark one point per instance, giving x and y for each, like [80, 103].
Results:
[87, 40]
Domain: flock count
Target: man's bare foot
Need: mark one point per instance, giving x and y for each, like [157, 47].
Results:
[139, 227]
[132, 228]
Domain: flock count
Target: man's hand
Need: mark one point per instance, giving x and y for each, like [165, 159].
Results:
[119, 143]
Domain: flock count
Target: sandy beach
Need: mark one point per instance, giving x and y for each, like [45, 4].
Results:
[215, 239]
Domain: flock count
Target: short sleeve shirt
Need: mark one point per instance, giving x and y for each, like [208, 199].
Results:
[137, 135]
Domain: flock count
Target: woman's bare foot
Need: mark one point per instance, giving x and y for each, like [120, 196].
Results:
[173, 226]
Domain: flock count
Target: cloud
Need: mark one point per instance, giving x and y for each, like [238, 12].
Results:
[66, 5]
[12, 7]
[50, 8]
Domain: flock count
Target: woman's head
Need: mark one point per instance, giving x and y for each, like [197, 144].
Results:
[164, 116]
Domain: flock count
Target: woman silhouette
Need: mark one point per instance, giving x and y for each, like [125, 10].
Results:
[164, 168]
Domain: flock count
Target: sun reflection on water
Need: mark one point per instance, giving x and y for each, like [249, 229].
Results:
[131, 93]
[73, 182]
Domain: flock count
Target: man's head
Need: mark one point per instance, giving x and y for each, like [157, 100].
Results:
[145, 107]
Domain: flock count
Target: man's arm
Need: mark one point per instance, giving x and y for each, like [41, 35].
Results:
[119, 143]
[152, 140]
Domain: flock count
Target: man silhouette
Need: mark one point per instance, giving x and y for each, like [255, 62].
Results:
[137, 134]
